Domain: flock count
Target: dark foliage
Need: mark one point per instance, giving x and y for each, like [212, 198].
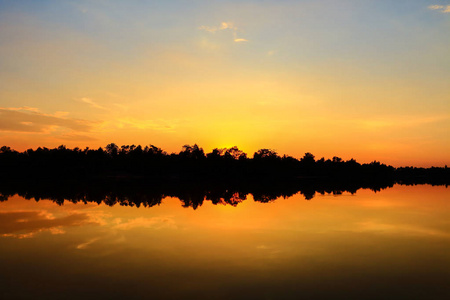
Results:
[140, 192]
[192, 164]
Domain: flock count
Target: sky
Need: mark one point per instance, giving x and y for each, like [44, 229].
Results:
[362, 79]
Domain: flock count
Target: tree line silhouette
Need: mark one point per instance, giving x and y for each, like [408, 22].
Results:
[139, 193]
[192, 164]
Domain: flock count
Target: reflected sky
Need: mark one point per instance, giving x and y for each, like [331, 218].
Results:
[393, 244]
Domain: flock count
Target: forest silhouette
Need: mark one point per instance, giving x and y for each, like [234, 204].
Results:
[192, 164]
[137, 176]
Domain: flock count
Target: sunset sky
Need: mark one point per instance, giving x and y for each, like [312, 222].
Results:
[363, 79]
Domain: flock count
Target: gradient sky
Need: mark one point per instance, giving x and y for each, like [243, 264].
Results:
[353, 78]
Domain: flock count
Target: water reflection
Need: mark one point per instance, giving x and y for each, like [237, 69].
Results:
[392, 244]
[191, 195]
[24, 224]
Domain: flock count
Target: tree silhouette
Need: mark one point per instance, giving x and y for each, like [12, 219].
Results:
[265, 154]
[191, 163]
[112, 149]
[235, 153]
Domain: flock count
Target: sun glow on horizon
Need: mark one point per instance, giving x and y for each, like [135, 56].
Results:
[354, 80]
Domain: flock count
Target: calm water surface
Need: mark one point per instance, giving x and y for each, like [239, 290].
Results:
[394, 244]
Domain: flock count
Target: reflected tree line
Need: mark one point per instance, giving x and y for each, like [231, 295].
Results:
[192, 164]
[139, 193]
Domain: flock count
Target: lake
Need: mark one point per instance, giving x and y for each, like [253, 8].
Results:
[391, 244]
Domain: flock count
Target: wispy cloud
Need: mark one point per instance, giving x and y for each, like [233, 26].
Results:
[112, 107]
[441, 8]
[87, 244]
[398, 229]
[22, 108]
[26, 224]
[227, 25]
[435, 7]
[213, 29]
[91, 103]
[29, 119]
[224, 26]
[153, 223]
[208, 29]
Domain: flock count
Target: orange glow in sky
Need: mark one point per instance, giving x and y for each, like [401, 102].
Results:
[368, 80]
